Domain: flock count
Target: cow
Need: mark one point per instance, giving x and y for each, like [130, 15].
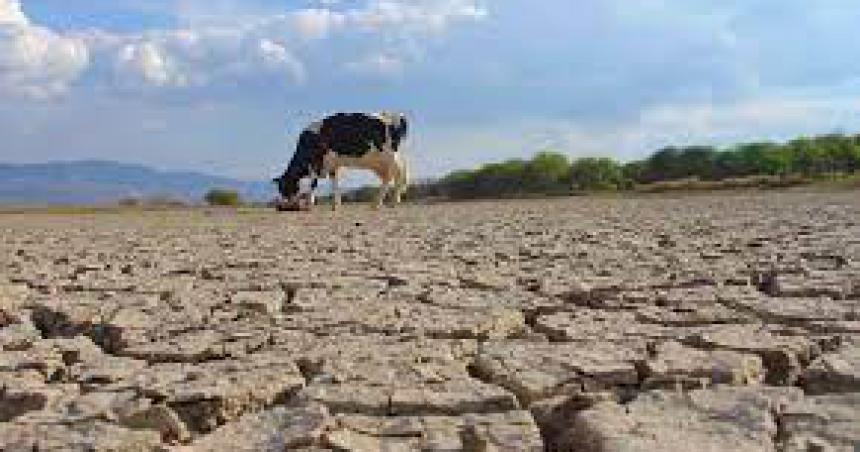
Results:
[348, 140]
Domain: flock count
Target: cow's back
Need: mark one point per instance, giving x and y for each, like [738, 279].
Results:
[352, 134]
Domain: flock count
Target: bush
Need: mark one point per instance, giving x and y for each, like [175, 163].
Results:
[366, 193]
[546, 171]
[130, 202]
[223, 197]
[151, 202]
[590, 174]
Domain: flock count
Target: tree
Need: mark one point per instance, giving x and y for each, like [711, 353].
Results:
[696, 161]
[633, 172]
[222, 197]
[840, 153]
[662, 165]
[806, 156]
[776, 161]
[547, 170]
[592, 173]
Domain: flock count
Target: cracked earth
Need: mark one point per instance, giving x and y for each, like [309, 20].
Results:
[701, 323]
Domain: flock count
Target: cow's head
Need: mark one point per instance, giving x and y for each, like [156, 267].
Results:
[401, 126]
[397, 126]
[288, 186]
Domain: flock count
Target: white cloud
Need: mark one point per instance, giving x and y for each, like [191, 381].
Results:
[223, 49]
[416, 15]
[316, 23]
[34, 61]
[221, 45]
[151, 64]
[384, 16]
[278, 58]
[377, 65]
[11, 14]
[326, 16]
[188, 58]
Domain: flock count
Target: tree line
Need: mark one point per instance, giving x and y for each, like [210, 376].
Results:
[549, 173]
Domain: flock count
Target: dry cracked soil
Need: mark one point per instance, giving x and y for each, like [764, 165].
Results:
[700, 323]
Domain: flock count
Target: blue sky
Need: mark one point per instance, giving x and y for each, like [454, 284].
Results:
[224, 85]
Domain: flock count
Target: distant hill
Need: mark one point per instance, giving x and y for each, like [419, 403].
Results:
[97, 181]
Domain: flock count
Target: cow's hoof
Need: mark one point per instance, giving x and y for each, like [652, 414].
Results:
[298, 205]
[291, 208]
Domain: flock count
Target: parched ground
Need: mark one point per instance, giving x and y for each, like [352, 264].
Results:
[702, 323]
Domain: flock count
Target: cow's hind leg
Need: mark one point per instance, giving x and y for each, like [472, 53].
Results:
[382, 193]
[391, 171]
[401, 179]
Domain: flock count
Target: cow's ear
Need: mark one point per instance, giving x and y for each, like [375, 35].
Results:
[276, 180]
[399, 129]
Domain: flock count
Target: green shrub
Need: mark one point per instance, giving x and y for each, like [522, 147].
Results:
[223, 197]
[130, 202]
[595, 174]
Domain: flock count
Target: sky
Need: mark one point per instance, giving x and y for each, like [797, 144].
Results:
[225, 86]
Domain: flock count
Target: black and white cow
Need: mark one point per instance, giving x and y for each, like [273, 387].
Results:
[348, 140]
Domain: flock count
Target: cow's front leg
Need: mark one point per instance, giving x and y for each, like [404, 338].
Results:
[335, 191]
[312, 197]
[381, 194]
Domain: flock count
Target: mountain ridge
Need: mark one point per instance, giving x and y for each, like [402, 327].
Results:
[105, 181]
